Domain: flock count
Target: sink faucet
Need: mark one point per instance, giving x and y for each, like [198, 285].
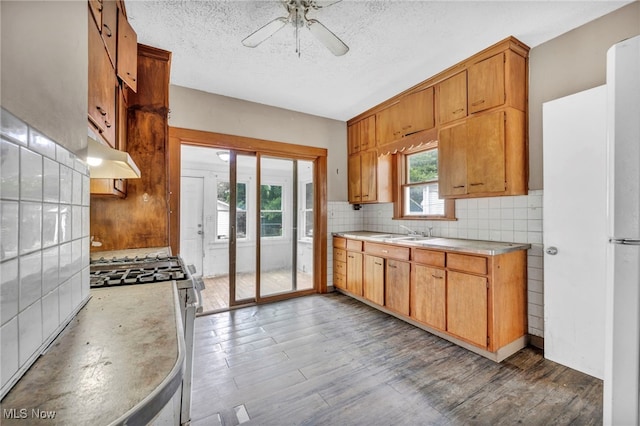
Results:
[411, 231]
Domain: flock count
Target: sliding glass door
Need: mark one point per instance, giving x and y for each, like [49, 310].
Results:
[248, 220]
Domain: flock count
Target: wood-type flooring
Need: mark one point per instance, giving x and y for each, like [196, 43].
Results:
[331, 360]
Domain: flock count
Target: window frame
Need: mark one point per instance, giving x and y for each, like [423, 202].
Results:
[283, 185]
[302, 217]
[400, 183]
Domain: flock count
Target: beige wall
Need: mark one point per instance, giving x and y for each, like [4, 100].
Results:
[193, 109]
[44, 67]
[570, 63]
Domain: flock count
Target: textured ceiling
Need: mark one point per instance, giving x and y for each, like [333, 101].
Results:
[393, 45]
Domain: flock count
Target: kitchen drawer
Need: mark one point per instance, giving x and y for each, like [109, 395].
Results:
[339, 242]
[354, 245]
[387, 251]
[339, 281]
[340, 267]
[339, 255]
[428, 257]
[463, 262]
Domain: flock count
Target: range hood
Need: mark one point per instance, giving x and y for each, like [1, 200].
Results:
[106, 162]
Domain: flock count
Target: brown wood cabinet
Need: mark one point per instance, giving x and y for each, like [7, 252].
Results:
[339, 263]
[374, 282]
[412, 114]
[499, 80]
[369, 177]
[127, 65]
[397, 286]
[478, 301]
[484, 155]
[428, 296]
[102, 87]
[361, 135]
[467, 307]
[354, 273]
[452, 98]
[109, 28]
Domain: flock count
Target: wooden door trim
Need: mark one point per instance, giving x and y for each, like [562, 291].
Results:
[179, 136]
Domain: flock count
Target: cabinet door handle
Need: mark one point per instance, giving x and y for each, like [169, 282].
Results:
[106, 123]
[459, 110]
[101, 111]
[477, 183]
[109, 33]
[459, 186]
[435, 276]
[379, 264]
[478, 102]
[392, 266]
[350, 257]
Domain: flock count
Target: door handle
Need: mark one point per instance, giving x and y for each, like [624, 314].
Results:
[552, 251]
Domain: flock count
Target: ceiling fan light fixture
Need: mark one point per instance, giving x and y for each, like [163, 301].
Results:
[297, 17]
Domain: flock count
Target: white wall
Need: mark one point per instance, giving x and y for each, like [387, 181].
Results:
[193, 109]
[44, 67]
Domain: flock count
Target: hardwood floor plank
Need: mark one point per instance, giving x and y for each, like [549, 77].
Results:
[331, 360]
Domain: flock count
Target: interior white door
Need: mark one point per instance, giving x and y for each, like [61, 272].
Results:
[191, 224]
[575, 230]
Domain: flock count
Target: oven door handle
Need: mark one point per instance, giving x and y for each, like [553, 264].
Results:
[198, 303]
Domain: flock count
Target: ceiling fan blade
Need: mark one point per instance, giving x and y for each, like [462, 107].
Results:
[320, 4]
[265, 32]
[326, 37]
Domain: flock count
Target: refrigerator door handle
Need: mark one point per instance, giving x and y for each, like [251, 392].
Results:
[625, 241]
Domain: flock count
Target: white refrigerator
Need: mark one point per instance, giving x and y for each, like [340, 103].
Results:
[622, 294]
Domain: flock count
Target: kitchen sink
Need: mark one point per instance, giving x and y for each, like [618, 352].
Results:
[408, 238]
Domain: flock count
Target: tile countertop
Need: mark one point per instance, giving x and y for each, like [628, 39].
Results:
[490, 248]
[118, 361]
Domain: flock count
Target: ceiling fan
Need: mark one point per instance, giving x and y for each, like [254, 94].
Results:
[297, 17]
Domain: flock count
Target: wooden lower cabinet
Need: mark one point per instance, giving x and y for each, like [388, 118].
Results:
[467, 307]
[477, 301]
[397, 286]
[354, 273]
[340, 268]
[429, 296]
[374, 279]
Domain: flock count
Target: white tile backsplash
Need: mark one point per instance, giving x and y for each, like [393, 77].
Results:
[9, 229]
[44, 243]
[31, 182]
[30, 279]
[508, 219]
[9, 289]
[9, 170]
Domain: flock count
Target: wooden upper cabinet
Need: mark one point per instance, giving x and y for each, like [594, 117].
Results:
[95, 6]
[416, 112]
[109, 28]
[498, 80]
[452, 161]
[387, 124]
[486, 153]
[452, 98]
[412, 114]
[127, 66]
[361, 135]
[369, 178]
[102, 87]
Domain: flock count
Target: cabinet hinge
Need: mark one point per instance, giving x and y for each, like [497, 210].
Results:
[487, 340]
